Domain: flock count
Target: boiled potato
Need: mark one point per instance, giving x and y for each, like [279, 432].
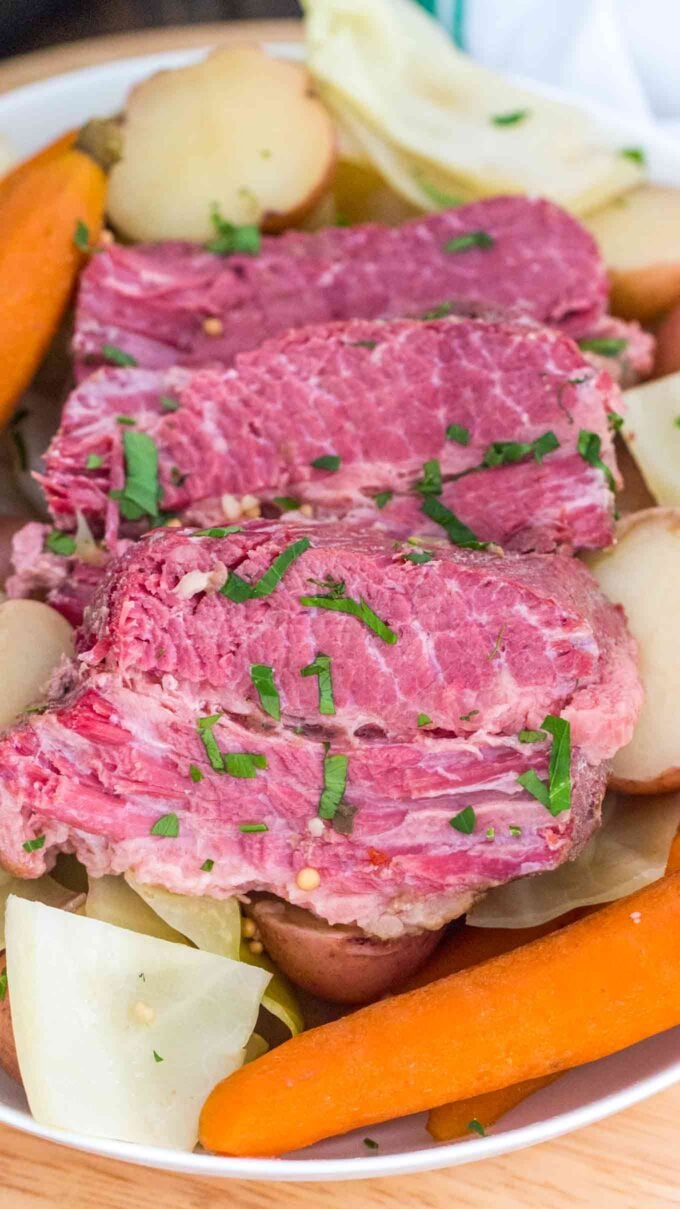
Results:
[642, 572]
[667, 359]
[238, 129]
[33, 639]
[639, 238]
[652, 432]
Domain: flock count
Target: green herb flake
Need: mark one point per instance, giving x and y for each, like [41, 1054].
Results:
[128, 420]
[458, 433]
[34, 844]
[371, 1144]
[334, 782]
[116, 356]
[464, 821]
[252, 828]
[531, 736]
[364, 344]
[3, 984]
[382, 498]
[355, 608]
[514, 829]
[676, 422]
[60, 543]
[238, 590]
[167, 825]
[262, 676]
[441, 199]
[230, 238]
[243, 764]
[217, 531]
[441, 311]
[503, 453]
[497, 644]
[81, 236]
[490, 833]
[476, 1126]
[157, 1057]
[424, 720]
[327, 461]
[513, 118]
[615, 421]
[321, 668]
[419, 556]
[560, 763]
[141, 493]
[605, 347]
[471, 239]
[533, 784]
[195, 773]
[207, 866]
[168, 403]
[286, 503]
[589, 445]
[468, 717]
[94, 461]
[210, 745]
[635, 154]
[431, 482]
[456, 531]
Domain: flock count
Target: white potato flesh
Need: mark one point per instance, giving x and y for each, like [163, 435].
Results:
[652, 432]
[239, 129]
[642, 573]
[639, 238]
[33, 640]
[120, 1035]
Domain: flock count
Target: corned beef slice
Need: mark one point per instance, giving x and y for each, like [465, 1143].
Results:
[512, 638]
[380, 396]
[152, 300]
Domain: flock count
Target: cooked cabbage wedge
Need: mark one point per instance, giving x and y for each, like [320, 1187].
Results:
[38, 889]
[152, 1025]
[628, 852]
[423, 113]
[112, 901]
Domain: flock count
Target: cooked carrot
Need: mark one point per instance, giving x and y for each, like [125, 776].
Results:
[589, 989]
[39, 261]
[20, 171]
[673, 863]
[458, 1120]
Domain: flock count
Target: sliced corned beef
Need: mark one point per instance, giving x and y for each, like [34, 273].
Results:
[485, 646]
[379, 396]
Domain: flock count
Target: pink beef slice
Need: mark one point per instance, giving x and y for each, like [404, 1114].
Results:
[152, 300]
[486, 646]
[379, 395]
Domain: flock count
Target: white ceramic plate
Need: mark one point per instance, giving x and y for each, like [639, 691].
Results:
[30, 117]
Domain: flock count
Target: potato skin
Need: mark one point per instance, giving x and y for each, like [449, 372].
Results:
[667, 360]
[339, 963]
[8, 1053]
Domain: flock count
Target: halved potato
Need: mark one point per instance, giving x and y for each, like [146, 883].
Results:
[639, 238]
[667, 356]
[239, 129]
[652, 432]
[642, 572]
[33, 639]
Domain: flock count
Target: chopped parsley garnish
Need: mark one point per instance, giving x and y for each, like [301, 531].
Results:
[635, 154]
[286, 503]
[141, 493]
[94, 461]
[210, 744]
[321, 668]
[3, 984]
[476, 1126]
[431, 482]
[327, 461]
[129, 420]
[676, 422]
[456, 531]
[207, 866]
[237, 589]
[497, 644]
[490, 833]
[364, 343]
[168, 403]
[157, 1057]
[217, 531]
[589, 445]
[231, 238]
[195, 773]
[514, 829]
[167, 825]
[355, 608]
[440, 197]
[458, 433]
[509, 119]
[556, 794]
[81, 236]
[467, 717]
[464, 821]
[501, 453]
[606, 347]
[531, 736]
[334, 782]
[262, 677]
[371, 1144]
[614, 420]
[424, 720]
[252, 828]
[419, 556]
[471, 239]
[116, 356]
[243, 764]
[334, 587]
[381, 498]
[440, 311]
[60, 543]
[35, 844]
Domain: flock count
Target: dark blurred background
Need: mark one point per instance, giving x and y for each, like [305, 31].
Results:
[31, 24]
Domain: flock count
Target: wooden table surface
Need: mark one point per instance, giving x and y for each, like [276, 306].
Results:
[628, 1162]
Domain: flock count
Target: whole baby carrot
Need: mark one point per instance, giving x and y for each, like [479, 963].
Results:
[587, 990]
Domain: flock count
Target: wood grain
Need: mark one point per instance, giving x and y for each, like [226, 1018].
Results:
[628, 1162]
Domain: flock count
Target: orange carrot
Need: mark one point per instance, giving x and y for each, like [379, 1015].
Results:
[673, 863]
[20, 171]
[457, 1120]
[39, 261]
[589, 989]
